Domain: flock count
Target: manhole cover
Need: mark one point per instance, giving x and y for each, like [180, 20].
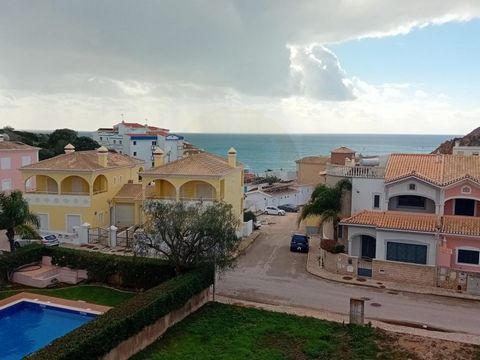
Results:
[361, 279]
[365, 298]
[375, 304]
[347, 278]
[379, 283]
[382, 286]
[392, 292]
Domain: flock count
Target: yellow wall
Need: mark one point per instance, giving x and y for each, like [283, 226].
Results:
[308, 173]
[100, 203]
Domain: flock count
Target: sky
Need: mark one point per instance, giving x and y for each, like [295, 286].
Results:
[242, 66]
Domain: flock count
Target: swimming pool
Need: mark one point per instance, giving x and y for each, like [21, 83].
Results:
[26, 326]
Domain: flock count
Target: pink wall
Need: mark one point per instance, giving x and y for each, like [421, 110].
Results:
[15, 163]
[456, 191]
[448, 207]
[448, 256]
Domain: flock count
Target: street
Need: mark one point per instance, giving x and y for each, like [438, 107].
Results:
[269, 273]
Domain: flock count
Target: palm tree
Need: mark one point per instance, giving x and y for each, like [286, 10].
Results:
[15, 215]
[326, 202]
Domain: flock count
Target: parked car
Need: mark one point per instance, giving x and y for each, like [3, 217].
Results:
[257, 225]
[299, 242]
[273, 210]
[47, 240]
[289, 208]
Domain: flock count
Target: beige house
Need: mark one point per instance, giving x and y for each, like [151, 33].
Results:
[201, 177]
[310, 169]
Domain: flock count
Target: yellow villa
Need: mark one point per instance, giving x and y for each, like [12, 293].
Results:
[78, 187]
[201, 177]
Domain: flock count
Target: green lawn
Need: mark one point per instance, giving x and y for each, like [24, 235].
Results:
[220, 331]
[92, 294]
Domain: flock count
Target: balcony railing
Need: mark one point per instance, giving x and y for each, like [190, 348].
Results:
[368, 172]
[70, 200]
[184, 198]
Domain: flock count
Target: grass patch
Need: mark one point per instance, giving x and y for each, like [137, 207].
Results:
[90, 293]
[220, 331]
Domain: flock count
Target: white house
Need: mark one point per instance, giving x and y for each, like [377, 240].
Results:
[140, 141]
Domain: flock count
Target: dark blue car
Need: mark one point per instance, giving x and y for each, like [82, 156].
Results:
[299, 243]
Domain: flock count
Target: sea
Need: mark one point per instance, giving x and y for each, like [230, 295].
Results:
[261, 152]
[274, 152]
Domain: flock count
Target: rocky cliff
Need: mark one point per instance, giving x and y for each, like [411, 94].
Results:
[471, 139]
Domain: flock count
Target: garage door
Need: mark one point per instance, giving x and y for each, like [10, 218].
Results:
[124, 215]
[411, 253]
[72, 221]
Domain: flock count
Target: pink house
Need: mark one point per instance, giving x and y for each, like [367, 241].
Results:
[14, 155]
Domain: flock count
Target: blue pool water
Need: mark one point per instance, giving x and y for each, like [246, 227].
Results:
[26, 327]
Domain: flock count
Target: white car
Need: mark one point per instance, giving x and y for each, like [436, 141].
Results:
[273, 210]
[47, 240]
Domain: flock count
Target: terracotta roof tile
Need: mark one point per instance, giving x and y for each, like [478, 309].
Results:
[201, 164]
[84, 160]
[394, 220]
[313, 160]
[437, 169]
[461, 225]
[343, 150]
[133, 192]
[15, 145]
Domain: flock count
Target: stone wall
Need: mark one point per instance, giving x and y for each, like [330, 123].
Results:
[452, 279]
[384, 270]
[339, 263]
[149, 334]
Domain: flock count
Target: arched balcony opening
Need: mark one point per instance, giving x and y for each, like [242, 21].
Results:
[462, 207]
[140, 171]
[411, 203]
[41, 184]
[164, 189]
[100, 185]
[197, 191]
[74, 185]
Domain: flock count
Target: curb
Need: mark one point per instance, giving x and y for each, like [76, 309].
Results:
[251, 240]
[448, 295]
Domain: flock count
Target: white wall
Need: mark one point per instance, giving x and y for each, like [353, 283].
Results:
[257, 200]
[363, 191]
[354, 237]
[422, 189]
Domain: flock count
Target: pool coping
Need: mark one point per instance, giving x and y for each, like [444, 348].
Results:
[77, 305]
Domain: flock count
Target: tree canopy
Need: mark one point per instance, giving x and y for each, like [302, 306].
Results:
[326, 202]
[187, 234]
[15, 216]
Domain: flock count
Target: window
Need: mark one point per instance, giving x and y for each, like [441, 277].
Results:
[340, 231]
[114, 141]
[475, 154]
[134, 143]
[153, 164]
[6, 184]
[411, 201]
[26, 160]
[101, 138]
[468, 256]
[5, 163]
[466, 190]
[120, 142]
[465, 207]
[376, 201]
[134, 153]
[410, 253]
[412, 187]
[154, 142]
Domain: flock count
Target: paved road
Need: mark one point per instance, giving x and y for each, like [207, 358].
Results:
[271, 274]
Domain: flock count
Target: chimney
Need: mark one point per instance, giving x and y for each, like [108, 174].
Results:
[102, 156]
[158, 157]
[457, 143]
[69, 148]
[232, 157]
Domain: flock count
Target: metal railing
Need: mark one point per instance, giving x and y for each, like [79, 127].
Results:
[370, 172]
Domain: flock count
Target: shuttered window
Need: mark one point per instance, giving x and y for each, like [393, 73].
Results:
[411, 253]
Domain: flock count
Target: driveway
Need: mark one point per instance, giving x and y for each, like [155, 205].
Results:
[269, 273]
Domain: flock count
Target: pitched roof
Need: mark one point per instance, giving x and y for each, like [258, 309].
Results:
[394, 220]
[461, 225]
[434, 168]
[201, 164]
[133, 192]
[313, 160]
[84, 160]
[343, 150]
[15, 145]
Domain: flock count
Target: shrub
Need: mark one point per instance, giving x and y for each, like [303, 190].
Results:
[25, 255]
[96, 338]
[249, 215]
[133, 272]
[332, 246]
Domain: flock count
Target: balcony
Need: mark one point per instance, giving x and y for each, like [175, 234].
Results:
[38, 198]
[189, 200]
[366, 172]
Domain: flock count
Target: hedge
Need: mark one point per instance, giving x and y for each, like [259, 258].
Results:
[133, 272]
[332, 246]
[25, 255]
[96, 338]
